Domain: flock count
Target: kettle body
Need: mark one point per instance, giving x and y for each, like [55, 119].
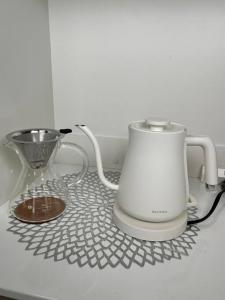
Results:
[154, 182]
[154, 185]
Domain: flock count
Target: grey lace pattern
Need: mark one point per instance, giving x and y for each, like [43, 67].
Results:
[86, 235]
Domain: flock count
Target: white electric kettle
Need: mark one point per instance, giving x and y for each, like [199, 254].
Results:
[153, 191]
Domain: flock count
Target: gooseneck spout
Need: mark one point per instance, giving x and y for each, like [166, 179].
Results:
[94, 141]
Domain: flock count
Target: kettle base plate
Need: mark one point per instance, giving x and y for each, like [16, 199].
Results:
[149, 231]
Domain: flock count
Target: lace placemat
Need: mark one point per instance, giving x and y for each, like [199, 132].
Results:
[86, 235]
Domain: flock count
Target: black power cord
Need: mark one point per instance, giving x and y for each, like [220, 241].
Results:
[215, 203]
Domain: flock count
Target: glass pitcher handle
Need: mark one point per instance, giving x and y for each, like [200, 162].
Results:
[83, 154]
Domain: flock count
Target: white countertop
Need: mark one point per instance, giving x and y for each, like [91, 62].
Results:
[200, 275]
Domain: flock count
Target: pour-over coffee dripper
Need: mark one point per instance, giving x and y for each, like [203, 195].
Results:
[41, 191]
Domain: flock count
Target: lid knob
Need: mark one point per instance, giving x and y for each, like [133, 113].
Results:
[157, 124]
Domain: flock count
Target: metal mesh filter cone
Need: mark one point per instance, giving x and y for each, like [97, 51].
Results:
[36, 145]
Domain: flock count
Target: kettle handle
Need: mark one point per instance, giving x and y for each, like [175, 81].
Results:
[83, 154]
[210, 156]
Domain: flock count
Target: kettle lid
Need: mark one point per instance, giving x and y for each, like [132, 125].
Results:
[158, 125]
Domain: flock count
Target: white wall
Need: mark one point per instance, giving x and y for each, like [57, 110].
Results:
[25, 75]
[115, 61]
[25, 65]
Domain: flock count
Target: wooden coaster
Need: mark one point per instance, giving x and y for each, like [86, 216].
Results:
[40, 209]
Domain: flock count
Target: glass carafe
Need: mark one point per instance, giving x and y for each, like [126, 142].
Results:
[41, 192]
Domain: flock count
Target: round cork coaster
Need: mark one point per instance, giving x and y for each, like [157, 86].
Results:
[39, 210]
